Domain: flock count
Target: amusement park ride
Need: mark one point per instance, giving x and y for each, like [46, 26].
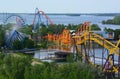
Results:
[83, 41]
[40, 18]
[17, 22]
[13, 34]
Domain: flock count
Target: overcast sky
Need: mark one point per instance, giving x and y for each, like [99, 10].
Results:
[60, 6]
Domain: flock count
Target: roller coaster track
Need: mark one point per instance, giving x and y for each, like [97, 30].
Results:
[98, 39]
[39, 13]
[87, 36]
[40, 18]
[83, 37]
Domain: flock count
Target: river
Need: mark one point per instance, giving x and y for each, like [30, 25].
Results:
[42, 54]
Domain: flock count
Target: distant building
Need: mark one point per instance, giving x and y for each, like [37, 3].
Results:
[107, 35]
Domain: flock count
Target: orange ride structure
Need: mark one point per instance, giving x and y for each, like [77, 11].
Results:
[85, 42]
[64, 41]
[61, 41]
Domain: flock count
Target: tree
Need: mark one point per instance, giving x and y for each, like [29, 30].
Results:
[94, 27]
[18, 45]
[29, 43]
[14, 66]
[2, 36]
[115, 20]
[26, 29]
[116, 32]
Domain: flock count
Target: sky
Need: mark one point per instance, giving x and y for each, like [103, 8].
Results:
[60, 6]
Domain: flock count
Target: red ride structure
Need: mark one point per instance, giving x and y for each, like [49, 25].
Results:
[40, 18]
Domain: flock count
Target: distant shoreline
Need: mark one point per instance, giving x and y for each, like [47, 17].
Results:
[73, 14]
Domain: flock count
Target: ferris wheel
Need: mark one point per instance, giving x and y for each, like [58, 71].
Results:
[11, 25]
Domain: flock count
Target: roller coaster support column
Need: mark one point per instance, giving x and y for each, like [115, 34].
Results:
[102, 53]
[86, 56]
[93, 46]
[75, 48]
[109, 66]
[89, 45]
[119, 65]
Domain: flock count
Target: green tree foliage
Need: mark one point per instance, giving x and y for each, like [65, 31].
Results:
[28, 43]
[116, 32]
[55, 29]
[17, 45]
[70, 58]
[2, 37]
[19, 67]
[26, 29]
[108, 29]
[43, 43]
[94, 27]
[13, 66]
[9, 26]
[73, 27]
[115, 20]
[43, 31]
